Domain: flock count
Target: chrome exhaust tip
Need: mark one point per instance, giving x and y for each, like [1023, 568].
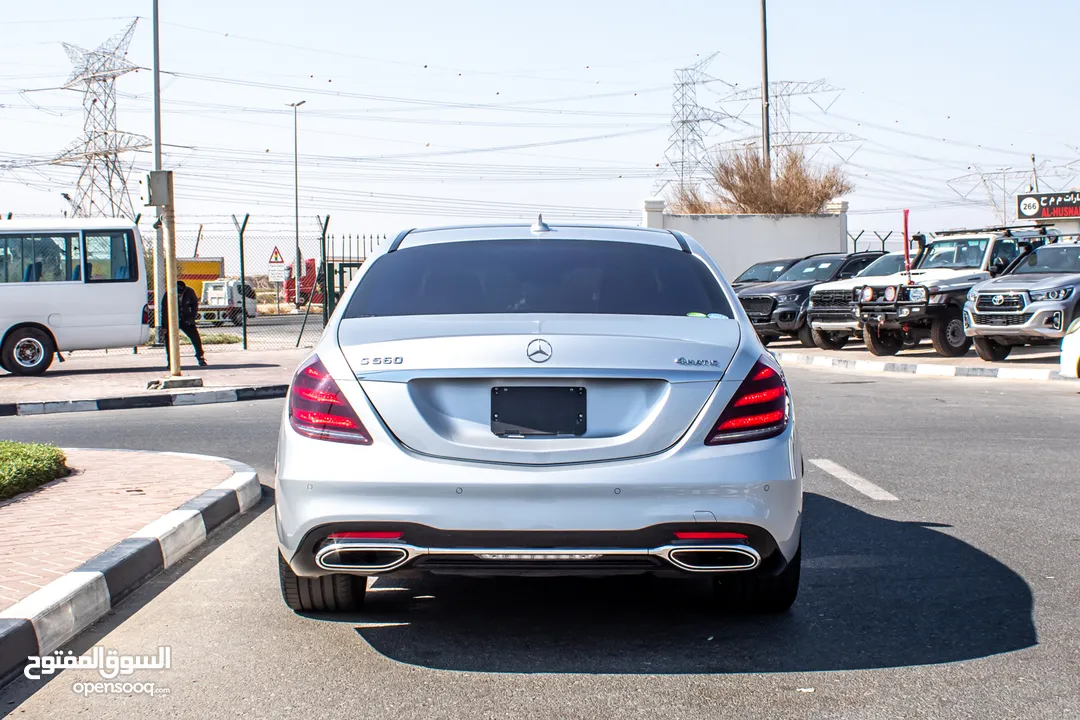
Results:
[358, 557]
[714, 558]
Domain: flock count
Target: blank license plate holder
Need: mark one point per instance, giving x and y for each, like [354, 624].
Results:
[543, 411]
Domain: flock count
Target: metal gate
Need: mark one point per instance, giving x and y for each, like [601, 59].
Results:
[340, 275]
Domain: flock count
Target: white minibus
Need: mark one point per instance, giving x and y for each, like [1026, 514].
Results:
[71, 284]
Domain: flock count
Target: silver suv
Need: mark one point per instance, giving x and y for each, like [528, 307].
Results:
[1033, 303]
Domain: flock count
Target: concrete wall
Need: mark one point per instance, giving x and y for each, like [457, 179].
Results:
[738, 241]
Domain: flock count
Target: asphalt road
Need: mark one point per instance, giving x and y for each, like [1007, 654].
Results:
[267, 331]
[956, 600]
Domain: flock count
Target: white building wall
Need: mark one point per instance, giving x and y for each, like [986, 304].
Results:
[736, 242]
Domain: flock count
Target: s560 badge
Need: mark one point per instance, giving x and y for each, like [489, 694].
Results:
[382, 361]
[698, 363]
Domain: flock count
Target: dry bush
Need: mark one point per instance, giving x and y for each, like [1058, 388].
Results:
[744, 184]
[688, 200]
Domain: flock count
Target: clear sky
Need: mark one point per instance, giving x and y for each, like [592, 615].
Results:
[436, 112]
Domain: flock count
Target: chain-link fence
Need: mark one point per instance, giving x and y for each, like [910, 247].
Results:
[260, 303]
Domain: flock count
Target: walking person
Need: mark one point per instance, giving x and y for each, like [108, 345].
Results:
[187, 303]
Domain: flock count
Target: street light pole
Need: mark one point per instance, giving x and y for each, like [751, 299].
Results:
[766, 155]
[297, 270]
[159, 239]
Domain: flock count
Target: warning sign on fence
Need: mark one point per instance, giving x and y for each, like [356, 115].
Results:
[276, 267]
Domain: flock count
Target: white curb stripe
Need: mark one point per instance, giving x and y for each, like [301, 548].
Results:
[179, 532]
[247, 488]
[63, 608]
[1024, 374]
[939, 370]
[858, 482]
[204, 398]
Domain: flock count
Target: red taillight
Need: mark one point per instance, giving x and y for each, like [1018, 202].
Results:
[145, 314]
[365, 535]
[710, 536]
[760, 397]
[318, 409]
[757, 411]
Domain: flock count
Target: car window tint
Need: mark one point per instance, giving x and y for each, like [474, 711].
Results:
[762, 272]
[110, 256]
[817, 268]
[39, 258]
[1051, 259]
[857, 265]
[955, 253]
[884, 265]
[546, 276]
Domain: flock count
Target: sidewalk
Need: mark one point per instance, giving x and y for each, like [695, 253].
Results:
[1024, 363]
[86, 376]
[50, 531]
[75, 547]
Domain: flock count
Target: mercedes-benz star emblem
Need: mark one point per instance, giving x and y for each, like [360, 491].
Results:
[998, 299]
[539, 350]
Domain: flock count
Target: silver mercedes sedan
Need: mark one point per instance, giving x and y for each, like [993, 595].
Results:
[539, 400]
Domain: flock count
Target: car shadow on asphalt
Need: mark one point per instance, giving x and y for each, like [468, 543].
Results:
[875, 593]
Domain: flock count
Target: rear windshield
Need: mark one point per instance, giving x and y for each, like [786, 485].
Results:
[763, 272]
[541, 276]
[1051, 259]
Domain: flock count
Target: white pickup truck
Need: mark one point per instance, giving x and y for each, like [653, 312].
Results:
[222, 301]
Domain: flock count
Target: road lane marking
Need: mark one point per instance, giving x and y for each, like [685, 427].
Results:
[858, 482]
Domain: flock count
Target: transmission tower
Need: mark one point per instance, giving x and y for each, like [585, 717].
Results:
[781, 135]
[686, 155]
[101, 190]
[1002, 183]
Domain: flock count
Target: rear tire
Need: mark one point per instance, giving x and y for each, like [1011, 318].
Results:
[766, 339]
[27, 351]
[991, 350]
[329, 593]
[947, 334]
[829, 340]
[881, 343]
[806, 335]
[767, 594]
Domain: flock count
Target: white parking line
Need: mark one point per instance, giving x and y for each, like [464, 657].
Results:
[858, 482]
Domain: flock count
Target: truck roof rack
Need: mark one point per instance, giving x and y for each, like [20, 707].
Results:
[992, 228]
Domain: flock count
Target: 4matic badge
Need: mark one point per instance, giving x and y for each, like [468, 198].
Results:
[698, 363]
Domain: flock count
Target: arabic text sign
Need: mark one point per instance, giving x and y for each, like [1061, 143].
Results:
[1048, 205]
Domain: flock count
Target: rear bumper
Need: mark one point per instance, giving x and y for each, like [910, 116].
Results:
[653, 550]
[449, 508]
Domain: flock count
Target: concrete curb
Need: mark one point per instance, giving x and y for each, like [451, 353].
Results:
[158, 399]
[916, 368]
[46, 620]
